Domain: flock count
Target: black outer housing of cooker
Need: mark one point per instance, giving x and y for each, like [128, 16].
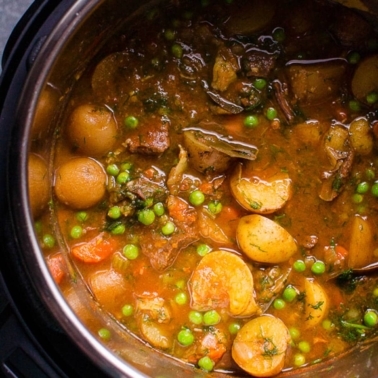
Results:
[31, 342]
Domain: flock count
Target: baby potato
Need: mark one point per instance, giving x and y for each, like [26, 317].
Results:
[365, 79]
[92, 130]
[317, 303]
[361, 243]
[38, 184]
[262, 196]
[44, 113]
[263, 240]
[260, 346]
[361, 136]
[316, 82]
[223, 280]
[80, 183]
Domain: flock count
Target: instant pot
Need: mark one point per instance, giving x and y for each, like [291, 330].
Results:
[39, 333]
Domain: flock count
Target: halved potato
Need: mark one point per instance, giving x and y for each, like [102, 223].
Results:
[223, 280]
[263, 240]
[365, 79]
[260, 195]
[360, 247]
[314, 83]
[317, 303]
[260, 346]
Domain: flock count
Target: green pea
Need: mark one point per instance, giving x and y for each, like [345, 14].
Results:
[159, 209]
[327, 324]
[195, 317]
[203, 249]
[180, 284]
[168, 229]
[119, 229]
[126, 166]
[304, 346]
[48, 240]
[148, 202]
[131, 251]
[104, 333]
[127, 310]
[181, 298]
[185, 337]
[289, 294]
[295, 333]
[169, 34]
[354, 106]
[146, 217]
[234, 328]
[363, 187]
[375, 292]
[177, 51]
[131, 122]
[370, 318]
[279, 34]
[123, 178]
[206, 363]
[196, 198]
[188, 15]
[112, 169]
[374, 189]
[114, 212]
[318, 267]
[299, 266]
[372, 98]
[279, 304]
[38, 227]
[211, 317]
[271, 113]
[299, 359]
[357, 198]
[370, 174]
[215, 207]
[76, 232]
[353, 57]
[259, 83]
[251, 121]
[82, 216]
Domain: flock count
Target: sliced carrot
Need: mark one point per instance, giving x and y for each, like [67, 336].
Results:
[56, 265]
[341, 251]
[206, 187]
[180, 210]
[96, 250]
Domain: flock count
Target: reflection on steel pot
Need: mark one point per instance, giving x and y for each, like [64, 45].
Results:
[143, 141]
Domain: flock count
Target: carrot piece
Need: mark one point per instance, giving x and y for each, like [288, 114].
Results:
[341, 251]
[96, 250]
[56, 266]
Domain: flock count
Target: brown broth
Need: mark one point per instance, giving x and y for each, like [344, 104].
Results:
[163, 75]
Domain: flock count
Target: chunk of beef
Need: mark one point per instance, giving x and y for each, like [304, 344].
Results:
[161, 250]
[258, 63]
[149, 139]
[350, 29]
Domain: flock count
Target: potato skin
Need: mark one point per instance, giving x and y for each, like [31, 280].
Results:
[38, 184]
[80, 183]
[263, 240]
[92, 130]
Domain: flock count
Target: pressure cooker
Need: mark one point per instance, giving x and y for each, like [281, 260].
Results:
[40, 335]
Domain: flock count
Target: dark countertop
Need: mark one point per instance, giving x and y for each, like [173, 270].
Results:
[10, 12]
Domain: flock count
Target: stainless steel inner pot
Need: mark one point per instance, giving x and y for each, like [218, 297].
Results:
[58, 59]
